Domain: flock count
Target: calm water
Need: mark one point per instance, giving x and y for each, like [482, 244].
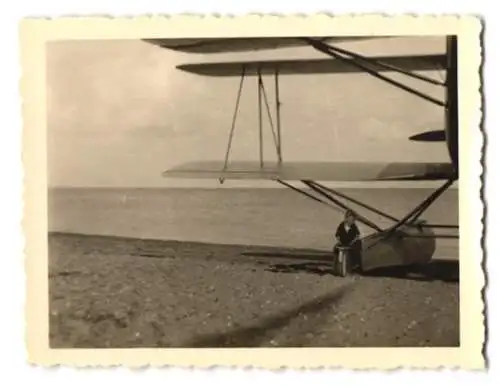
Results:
[272, 217]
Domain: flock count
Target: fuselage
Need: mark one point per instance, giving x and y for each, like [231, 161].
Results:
[451, 117]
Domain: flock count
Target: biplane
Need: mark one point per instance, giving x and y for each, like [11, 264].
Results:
[410, 240]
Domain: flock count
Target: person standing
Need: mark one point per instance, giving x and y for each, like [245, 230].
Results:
[348, 235]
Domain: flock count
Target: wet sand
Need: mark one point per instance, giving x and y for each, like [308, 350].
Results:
[117, 292]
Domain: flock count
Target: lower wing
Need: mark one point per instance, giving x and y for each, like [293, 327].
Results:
[320, 171]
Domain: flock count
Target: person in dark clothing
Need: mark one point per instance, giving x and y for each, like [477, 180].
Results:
[348, 235]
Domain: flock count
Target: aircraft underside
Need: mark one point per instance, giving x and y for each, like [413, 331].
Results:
[409, 240]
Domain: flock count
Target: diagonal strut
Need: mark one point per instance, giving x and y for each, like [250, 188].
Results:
[326, 49]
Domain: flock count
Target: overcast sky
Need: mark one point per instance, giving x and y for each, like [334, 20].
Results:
[120, 113]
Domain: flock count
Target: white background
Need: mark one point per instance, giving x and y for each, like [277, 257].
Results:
[13, 360]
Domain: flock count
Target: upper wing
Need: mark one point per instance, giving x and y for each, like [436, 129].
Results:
[223, 45]
[320, 171]
[311, 66]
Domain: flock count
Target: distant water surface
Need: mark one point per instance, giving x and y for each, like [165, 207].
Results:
[270, 217]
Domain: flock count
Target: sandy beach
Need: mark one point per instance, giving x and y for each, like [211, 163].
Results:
[138, 260]
[124, 292]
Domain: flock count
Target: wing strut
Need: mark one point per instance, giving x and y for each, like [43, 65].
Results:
[233, 125]
[379, 212]
[388, 66]
[413, 215]
[354, 201]
[333, 51]
[276, 138]
[305, 193]
[262, 97]
[410, 220]
[278, 116]
[363, 219]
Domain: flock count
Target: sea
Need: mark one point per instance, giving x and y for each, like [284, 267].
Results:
[249, 216]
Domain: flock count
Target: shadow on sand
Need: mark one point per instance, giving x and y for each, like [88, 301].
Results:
[439, 270]
[319, 263]
[260, 334]
[295, 254]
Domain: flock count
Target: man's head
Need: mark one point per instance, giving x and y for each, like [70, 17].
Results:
[349, 217]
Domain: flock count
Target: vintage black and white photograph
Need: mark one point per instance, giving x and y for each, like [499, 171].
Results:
[254, 192]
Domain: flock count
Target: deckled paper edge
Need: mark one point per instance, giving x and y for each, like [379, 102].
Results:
[35, 32]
